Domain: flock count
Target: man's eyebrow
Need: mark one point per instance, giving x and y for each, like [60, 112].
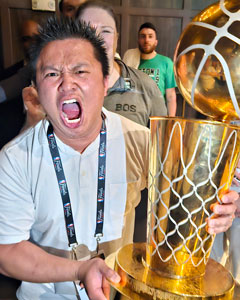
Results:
[48, 67]
[73, 67]
[80, 65]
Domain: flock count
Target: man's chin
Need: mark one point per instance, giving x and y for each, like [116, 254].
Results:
[146, 51]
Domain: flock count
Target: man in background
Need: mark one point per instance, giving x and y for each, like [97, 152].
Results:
[21, 77]
[16, 77]
[12, 85]
[69, 7]
[158, 67]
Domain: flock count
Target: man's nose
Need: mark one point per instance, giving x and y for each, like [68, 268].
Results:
[146, 39]
[67, 82]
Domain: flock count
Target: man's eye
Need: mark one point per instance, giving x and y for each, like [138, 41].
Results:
[81, 72]
[51, 74]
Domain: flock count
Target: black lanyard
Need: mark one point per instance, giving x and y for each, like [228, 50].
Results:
[64, 189]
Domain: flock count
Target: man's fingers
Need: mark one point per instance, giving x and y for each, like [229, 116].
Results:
[219, 224]
[224, 209]
[236, 182]
[230, 197]
[224, 213]
[106, 288]
[96, 281]
[110, 274]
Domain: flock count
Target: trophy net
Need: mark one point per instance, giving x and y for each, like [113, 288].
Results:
[189, 163]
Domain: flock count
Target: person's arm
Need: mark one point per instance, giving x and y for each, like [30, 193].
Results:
[28, 262]
[171, 101]
[236, 186]
[224, 213]
[12, 86]
[157, 100]
[237, 213]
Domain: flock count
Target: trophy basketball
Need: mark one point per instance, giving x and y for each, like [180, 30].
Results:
[192, 163]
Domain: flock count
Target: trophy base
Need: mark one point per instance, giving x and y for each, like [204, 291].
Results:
[141, 283]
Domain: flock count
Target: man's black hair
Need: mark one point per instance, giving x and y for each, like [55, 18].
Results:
[148, 25]
[62, 28]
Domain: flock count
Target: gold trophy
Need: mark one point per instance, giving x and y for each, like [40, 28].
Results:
[192, 163]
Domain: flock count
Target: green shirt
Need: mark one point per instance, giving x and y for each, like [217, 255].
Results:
[160, 69]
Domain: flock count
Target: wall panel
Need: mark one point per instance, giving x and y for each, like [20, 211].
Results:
[169, 16]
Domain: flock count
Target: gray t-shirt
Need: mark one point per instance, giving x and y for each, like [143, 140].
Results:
[135, 96]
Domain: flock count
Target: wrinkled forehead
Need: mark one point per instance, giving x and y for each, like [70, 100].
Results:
[66, 52]
[98, 17]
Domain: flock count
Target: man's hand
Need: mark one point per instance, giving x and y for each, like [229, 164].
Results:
[34, 109]
[94, 274]
[28, 262]
[224, 213]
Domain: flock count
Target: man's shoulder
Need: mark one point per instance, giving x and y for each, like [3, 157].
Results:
[132, 57]
[138, 76]
[126, 124]
[131, 127]
[164, 58]
[132, 51]
[135, 135]
[24, 140]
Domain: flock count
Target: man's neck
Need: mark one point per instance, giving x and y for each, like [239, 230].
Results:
[84, 141]
[149, 55]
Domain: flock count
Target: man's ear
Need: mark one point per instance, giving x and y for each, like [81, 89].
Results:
[30, 97]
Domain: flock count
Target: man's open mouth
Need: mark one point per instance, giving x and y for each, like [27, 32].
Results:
[71, 111]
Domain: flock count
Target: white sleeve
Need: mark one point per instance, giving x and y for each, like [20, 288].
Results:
[16, 204]
[132, 58]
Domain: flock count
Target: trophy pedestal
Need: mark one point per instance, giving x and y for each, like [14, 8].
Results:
[141, 283]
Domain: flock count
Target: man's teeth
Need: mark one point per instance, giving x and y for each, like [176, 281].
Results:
[69, 101]
[72, 120]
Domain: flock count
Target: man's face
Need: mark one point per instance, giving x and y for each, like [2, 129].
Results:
[71, 87]
[28, 30]
[147, 40]
[69, 7]
[105, 26]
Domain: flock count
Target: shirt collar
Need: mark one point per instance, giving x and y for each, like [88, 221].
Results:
[124, 82]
